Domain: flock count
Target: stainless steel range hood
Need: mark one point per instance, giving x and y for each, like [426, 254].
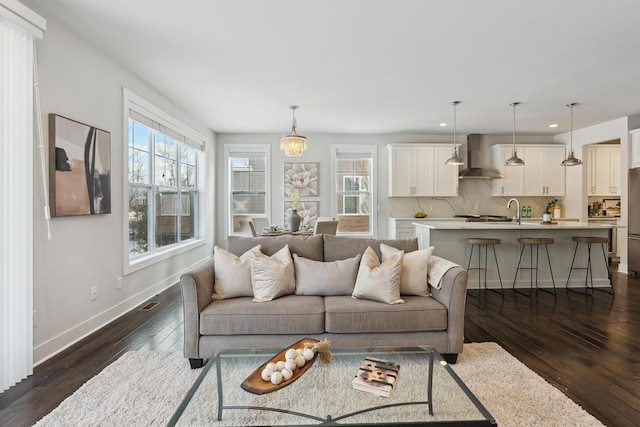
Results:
[474, 161]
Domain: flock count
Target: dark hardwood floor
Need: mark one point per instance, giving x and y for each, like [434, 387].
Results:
[588, 347]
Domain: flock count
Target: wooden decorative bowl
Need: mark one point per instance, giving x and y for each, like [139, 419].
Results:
[256, 385]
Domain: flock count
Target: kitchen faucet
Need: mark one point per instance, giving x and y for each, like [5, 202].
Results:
[517, 208]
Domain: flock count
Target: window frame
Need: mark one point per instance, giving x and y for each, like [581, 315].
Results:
[368, 151]
[138, 105]
[229, 150]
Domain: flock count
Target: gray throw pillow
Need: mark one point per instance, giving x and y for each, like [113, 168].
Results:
[325, 278]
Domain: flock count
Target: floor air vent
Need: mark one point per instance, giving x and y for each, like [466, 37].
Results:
[149, 306]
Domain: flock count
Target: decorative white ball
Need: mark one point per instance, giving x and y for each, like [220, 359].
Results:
[300, 351]
[300, 361]
[291, 354]
[286, 374]
[279, 365]
[290, 365]
[266, 374]
[276, 378]
[307, 354]
[271, 366]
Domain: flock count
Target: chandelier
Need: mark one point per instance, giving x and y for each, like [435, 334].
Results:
[293, 144]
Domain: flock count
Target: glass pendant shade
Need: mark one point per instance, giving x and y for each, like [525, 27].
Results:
[571, 159]
[293, 144]
[514, 160]
[455, 159]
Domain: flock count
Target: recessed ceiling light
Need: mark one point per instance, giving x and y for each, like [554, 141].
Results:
[553, 125]
[443, 124]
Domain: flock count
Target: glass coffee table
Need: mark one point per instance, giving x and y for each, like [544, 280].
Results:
[427, 392]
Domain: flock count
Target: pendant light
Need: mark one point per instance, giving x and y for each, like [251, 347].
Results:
[571, 160]
[455, 159]
[293, 144]
[514, 160]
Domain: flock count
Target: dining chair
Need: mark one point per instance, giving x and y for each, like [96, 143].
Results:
[260, 223]
[325, 227]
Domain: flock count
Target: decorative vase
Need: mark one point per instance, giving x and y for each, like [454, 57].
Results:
[546, 216]
[294, 221]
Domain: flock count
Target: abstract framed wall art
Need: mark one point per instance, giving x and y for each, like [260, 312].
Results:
[303, 176]
[79, 168]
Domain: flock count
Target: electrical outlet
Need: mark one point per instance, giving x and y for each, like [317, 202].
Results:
[118, 282]
[94, 293]
[35, 318]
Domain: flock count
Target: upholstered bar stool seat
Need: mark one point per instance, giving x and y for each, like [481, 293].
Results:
[588, 278]
[480, 243]
[534, 242]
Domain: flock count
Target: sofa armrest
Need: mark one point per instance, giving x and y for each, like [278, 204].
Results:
[196, 286]
[453, 295]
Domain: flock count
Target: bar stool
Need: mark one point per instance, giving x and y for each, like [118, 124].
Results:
[588, 290]
[534, 242]
[480, 242]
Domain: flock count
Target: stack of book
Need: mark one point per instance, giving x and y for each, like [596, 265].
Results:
[376, 376]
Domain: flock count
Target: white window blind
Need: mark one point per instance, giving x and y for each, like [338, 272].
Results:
[17, 27]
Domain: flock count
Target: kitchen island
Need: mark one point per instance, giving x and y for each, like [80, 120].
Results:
[449, 239]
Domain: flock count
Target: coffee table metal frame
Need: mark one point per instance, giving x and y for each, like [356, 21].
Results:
[429, 351]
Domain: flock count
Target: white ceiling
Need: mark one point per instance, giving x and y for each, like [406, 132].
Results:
[375, 66]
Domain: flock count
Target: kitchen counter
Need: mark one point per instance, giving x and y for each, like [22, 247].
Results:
[449, 239]
[513, 225]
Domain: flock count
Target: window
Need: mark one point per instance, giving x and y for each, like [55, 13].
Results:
[247, 185]
[163, 181]
[353, 175]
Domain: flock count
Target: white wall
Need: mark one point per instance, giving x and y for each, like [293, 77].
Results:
[79, 82]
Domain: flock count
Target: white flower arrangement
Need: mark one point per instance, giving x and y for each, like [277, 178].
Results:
[295, 197]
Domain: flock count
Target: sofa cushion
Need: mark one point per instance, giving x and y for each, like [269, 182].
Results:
[292, 314]
[307, 246]
[232, 274]
[325, 278]
[342, 247]
[417, 314]
[415, 266]
[379, 281]
[272, 276]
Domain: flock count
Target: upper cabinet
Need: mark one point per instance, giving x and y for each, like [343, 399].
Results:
[418, 170]
[604, 170]
[541, 175]
[635, 148]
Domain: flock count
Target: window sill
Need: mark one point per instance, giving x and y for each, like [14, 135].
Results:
[145, 261]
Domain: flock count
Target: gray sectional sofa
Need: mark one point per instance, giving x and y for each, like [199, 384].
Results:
[215, 324]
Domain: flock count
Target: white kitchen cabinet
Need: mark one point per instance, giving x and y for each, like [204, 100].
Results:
[604, 170]
[512, 182]
[418, 170]
[635, 148]
[543, 170]
[402, 228]
[541, 175]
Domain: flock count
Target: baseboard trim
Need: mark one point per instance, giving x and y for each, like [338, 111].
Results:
[61, 342]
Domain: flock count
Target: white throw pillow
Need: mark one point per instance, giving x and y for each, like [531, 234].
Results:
[232, 274]
[379, 282]
[325, 278]
[272, 276]
[415, 268]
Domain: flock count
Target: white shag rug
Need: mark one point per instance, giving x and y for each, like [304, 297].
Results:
[144, 388]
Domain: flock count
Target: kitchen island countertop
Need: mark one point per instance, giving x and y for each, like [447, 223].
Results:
[513, 225]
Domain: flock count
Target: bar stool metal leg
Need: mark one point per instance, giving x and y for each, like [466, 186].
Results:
[589, 288]
[482, 281]
[531, 242]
